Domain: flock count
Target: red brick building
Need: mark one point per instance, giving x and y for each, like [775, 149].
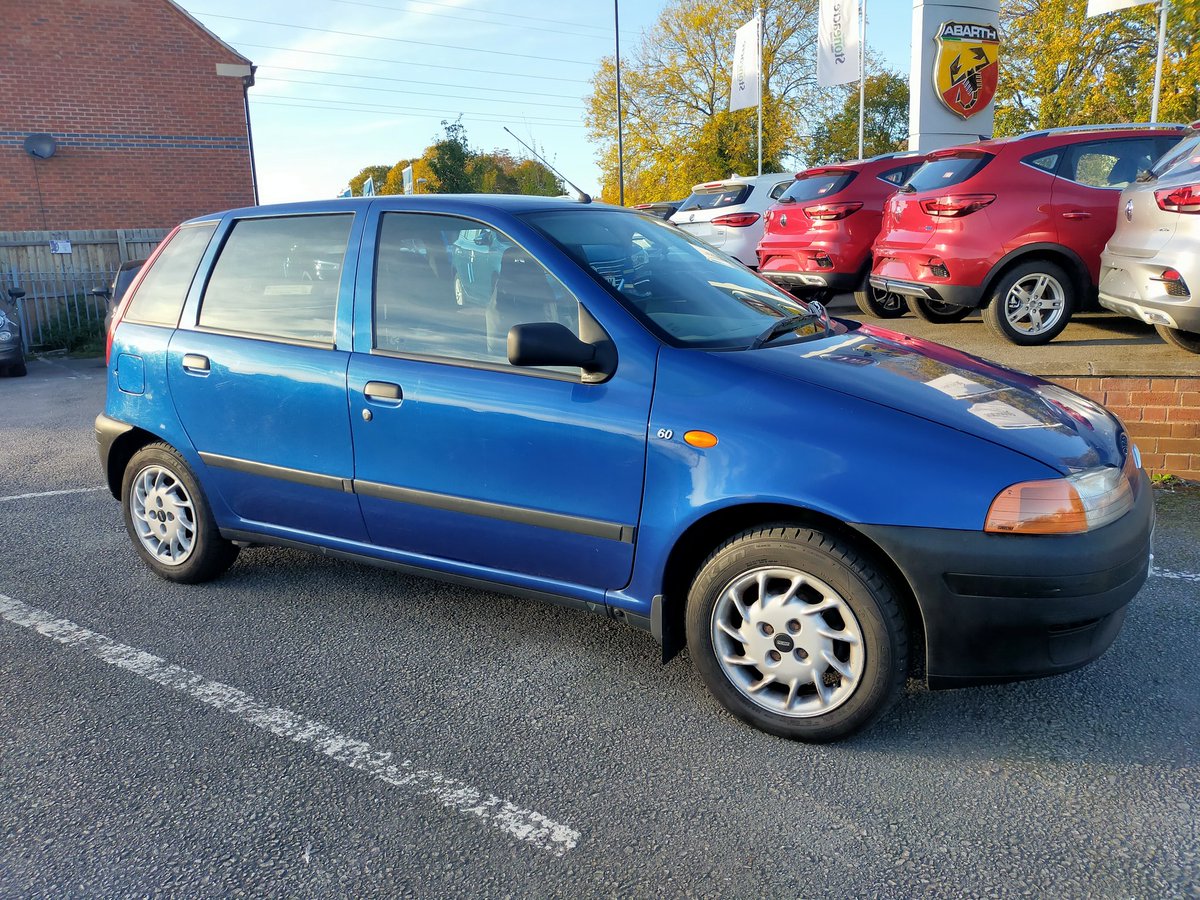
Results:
[146, 106]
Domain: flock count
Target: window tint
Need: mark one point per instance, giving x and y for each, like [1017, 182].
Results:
[1047, 162]
[815, 187]
[777, 191]
[160, 296]
[448, 288]
[1108, 164]
[1183, 159]
[278, 278]
[900, 175]
[948, 170]
[716, 198]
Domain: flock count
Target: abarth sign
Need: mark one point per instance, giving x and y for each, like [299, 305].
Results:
[967, 66]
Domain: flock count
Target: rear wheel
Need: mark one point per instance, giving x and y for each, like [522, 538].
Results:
[796, 634]
[936, 311]
[882, 304]
[1184, 340]
[1032, 303]
[169, 520]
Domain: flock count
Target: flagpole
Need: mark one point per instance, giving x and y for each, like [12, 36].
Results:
[761, 56]
[620, 132]
[1158, 66]
[862, 70]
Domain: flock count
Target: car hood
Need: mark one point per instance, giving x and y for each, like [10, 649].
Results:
[1041, 420]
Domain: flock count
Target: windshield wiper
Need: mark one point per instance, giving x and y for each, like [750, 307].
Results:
[791, 323]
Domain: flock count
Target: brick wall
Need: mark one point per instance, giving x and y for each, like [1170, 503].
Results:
[148, 133]
[1162, 415]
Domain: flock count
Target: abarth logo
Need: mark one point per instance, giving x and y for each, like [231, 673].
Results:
[967, 67]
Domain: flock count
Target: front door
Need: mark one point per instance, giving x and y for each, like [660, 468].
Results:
[519, 474]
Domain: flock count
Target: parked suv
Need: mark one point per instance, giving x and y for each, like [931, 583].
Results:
[1150, 269]
[729, 214]
[816, 507]
[818, 237]
[1014, 226]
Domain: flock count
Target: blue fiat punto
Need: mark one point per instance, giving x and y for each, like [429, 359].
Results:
[634, 424]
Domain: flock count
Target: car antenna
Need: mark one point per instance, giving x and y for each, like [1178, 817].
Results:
[583, 196]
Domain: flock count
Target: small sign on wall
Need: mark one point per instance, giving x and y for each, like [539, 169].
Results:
[60, 245]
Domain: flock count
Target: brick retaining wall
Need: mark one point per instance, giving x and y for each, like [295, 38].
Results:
[1161, 413]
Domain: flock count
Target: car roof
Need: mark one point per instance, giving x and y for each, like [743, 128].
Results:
[743, 179]
[1052, 137]
[509, 203]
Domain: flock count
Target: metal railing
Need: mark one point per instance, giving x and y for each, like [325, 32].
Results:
[57, 302]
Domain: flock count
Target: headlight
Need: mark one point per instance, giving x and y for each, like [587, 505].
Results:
[1081, 502]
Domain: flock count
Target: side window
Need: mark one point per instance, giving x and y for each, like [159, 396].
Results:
[1108, 164]
[778, 190]
[278, 278]
[160, 296]
[899, 175]
[447, 288]
[1047, 162]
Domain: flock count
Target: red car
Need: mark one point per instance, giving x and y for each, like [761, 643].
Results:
[818, 238]
[1014, 226]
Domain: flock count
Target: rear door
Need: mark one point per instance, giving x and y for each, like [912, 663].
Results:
[258, 374]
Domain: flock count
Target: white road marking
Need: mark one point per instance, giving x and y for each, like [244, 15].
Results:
[523, 824]
[51, 493]
[1178, 576]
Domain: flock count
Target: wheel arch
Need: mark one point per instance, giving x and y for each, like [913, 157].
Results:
[1055, 253]
[694, 545]
[122, 450]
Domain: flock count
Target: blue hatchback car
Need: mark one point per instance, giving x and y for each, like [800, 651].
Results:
[818, 508]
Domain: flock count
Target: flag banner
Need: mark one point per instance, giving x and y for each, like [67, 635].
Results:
[1099, 7]
[837, 42]
[745, 90]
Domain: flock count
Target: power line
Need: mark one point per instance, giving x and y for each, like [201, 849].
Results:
[379, 37]
[423, 65]
[387, 106]
[407, 115]
[472, 87]
[422, 12]
[509, 15]
[355, 87]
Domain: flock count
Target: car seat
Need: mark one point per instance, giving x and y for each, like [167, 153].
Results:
[522, 295]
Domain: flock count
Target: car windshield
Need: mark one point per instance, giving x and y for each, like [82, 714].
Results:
[817, 186]
[946, 171]
[717, 197]
[1184, 159]
[689, 294]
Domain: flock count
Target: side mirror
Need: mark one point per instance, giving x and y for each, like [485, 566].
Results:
[553, 344]
[16, 293]
[99, 292]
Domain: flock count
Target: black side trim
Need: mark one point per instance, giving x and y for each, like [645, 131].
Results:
[575, 524]
[108, 431]
[252, 537]
[312, 479]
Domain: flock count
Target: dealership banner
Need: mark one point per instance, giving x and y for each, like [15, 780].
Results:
[837, 42]
[744, 92]
[1098, 7]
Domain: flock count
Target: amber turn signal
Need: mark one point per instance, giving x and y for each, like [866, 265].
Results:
[701, 439]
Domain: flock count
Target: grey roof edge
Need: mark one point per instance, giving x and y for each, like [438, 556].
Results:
[211, 35]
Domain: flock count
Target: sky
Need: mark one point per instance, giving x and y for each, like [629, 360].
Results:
[343, 84]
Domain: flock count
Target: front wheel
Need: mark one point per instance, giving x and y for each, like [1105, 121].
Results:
[169, 520]
[882, 304]
[1032, 303]
[795, 633]
[936, 311]
[1184, 340]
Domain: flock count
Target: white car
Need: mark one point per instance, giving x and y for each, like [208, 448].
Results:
[729, 214]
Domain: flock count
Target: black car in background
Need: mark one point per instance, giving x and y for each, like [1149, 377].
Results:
[12, 356]
[121, 280]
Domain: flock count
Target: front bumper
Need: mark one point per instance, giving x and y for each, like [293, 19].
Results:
[1005, 607]
[1128, 287]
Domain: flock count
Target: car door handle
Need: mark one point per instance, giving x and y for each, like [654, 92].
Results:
[383, 391]
[194, 362]
[1077, 214]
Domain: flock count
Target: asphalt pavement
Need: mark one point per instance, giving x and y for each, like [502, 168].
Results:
[312, 728]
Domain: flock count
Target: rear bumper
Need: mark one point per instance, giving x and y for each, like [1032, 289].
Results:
[108, 430]
[1127, 286]
[838, 282]
[1000, 607]
[954, 294]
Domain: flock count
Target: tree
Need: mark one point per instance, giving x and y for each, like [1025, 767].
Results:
[885, 128]
[395, 177]
[675, 90]
[1059, 67]
[449, 159]
[378, 174]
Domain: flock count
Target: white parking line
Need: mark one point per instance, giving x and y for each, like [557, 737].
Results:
[1178, 576]
[51, 493]
[523, 824]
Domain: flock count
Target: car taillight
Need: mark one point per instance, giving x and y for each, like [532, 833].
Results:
[1083, 502]
[956, 205]
[737, 220]
[1185, 199]
[830, 212]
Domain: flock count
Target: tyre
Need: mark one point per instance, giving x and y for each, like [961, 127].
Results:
[1031, 304]
[169, 520]
[1184, 340]
[18, 371]
[883, 305]
[795, 633]
[936, 311]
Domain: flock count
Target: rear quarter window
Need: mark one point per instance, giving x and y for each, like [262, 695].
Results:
[816, 187]
[947, 171]
[715, 199]
[159, 298]
[1182, 160]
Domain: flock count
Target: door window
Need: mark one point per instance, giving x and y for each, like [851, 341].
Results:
[1111, 164]
[159, 298]
[422, 308]
[278, 279]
